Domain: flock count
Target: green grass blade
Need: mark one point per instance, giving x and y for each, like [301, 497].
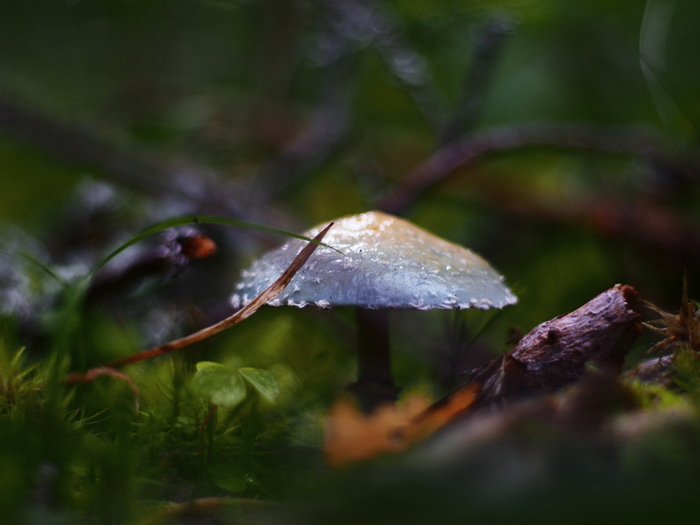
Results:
[37, 262]
[203, 219]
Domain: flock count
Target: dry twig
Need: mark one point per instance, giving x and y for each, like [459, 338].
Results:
[270, 293]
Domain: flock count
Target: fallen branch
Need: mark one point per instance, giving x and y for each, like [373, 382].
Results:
[556, 352]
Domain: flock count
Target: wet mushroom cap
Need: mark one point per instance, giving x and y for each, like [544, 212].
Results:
[388, 263]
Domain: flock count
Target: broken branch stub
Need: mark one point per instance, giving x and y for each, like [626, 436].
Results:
[555, 353]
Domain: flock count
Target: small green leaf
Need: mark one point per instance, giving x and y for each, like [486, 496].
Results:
[220, 384]
[230, 476]
[262, 381]
[228, 482]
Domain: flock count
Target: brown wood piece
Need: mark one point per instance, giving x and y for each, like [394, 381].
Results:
[555, 352]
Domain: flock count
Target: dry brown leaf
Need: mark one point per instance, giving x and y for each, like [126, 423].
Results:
[352, 435]
[445, 410]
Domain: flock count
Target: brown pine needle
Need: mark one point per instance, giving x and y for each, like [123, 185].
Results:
[681, 330]
[94, 373]
[270, 293]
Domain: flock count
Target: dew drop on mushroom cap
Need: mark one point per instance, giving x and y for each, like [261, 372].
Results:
[388, 263]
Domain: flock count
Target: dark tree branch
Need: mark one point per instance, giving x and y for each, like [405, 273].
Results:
[197, 185]
[347, 27]
[467, 151]
[82, 146]
[365, 24]
[641, 221]
[408, 67]
[488, 40]
[329, 128]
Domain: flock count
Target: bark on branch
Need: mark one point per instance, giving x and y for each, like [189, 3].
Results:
[555, 353]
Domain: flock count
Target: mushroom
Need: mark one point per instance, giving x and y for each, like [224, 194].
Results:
[386, 263]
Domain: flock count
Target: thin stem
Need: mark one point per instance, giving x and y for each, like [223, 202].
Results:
[374, 359]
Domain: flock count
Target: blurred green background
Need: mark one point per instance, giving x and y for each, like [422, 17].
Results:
[117, 114]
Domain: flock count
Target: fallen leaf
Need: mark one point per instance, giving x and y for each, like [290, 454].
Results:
[352, 435]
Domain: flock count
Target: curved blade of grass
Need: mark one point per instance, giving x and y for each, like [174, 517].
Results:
[268, 294]
[37, 262]
[653, 37]
[203, 219]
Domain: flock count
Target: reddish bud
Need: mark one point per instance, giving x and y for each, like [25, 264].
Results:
[198, 247]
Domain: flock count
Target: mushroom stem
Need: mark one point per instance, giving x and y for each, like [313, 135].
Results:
[375, 383]
[374, 360]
